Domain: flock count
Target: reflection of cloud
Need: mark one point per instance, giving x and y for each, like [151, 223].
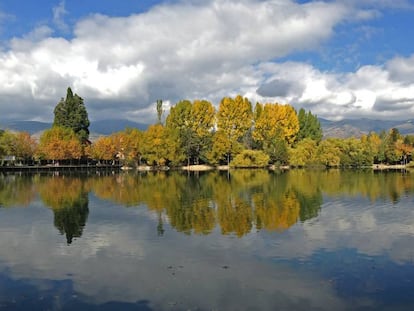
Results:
[373, 230]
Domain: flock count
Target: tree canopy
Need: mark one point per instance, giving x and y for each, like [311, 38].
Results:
[71, 113]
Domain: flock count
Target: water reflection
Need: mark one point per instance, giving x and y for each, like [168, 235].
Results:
[68, 198]
[238, 203]
[343, 247]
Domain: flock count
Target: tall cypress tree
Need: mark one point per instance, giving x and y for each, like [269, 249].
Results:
[309, 126]
[71, 113]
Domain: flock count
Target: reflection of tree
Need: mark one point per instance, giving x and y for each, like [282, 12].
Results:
[70, 220]
[243, 199]
[16, 190]
[277, 214]
[306, 185]
[124, 189]
[186, 202]
[68, 199]
[235, 216]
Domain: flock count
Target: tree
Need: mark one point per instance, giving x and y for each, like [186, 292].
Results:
[303, 154]
[191, 124]
[221, 145]
[103, 149]
[71, 113]
[159, 111]
[309, 126]
[179, 124]
[154, 146]
[203, 117]
[275, 122]
[328, 153]
[234, 119]
[25, 146]
[59, 143]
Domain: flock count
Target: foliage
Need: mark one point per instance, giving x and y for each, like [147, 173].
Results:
[250, 158]
[155, 151]
[71, 113]
[191, 124]
[309, 126]
[303, 154]
[275, 122]
[234, 119]
[59, 143]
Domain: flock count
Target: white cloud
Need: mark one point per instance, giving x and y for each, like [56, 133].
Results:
[371, 91]
[59, 13]
[192, 49]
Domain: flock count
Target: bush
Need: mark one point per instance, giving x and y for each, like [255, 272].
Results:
[250, 158]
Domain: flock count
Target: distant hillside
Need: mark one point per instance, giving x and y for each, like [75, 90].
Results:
[358, 127]
[341, 129]
[31, 127]
[97, 128]
[106, 127]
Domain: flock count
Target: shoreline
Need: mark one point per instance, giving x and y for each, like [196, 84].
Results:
[379, 167]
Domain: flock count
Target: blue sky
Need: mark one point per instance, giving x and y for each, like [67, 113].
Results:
[339, 59]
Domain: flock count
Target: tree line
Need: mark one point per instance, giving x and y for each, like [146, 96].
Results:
[194, 132]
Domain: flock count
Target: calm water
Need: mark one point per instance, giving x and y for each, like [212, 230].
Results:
[251, 240]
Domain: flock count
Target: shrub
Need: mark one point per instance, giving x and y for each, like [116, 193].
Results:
[250, 158]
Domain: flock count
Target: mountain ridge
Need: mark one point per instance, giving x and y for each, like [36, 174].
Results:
[341, 129]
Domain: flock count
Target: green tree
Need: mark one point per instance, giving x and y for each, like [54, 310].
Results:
[71, 113]
[179, 123]
[303, 154]
[328, 153]
[191, 124]
[309, 126]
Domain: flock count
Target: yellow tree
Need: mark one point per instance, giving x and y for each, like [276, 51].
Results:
[103, 149]
[154, 146]
[276, 121]
[234, 119]
[219, 149]
[133, 145]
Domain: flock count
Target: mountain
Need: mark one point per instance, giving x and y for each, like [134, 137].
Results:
[31, 127]
[341, 129]
[358, 127]
[106, 127]
[97, 128]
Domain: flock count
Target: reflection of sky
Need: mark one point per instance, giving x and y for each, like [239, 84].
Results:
[348, 251]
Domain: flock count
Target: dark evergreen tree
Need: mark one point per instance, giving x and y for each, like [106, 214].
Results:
[309, 126]
[71, 113]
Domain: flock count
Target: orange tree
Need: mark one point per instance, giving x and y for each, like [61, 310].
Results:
[59, 143]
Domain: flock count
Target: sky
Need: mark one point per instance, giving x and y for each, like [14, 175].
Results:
[338, 58]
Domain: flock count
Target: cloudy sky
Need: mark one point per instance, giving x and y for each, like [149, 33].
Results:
[339, 59]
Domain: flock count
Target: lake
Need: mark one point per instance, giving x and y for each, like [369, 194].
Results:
[244, 240]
